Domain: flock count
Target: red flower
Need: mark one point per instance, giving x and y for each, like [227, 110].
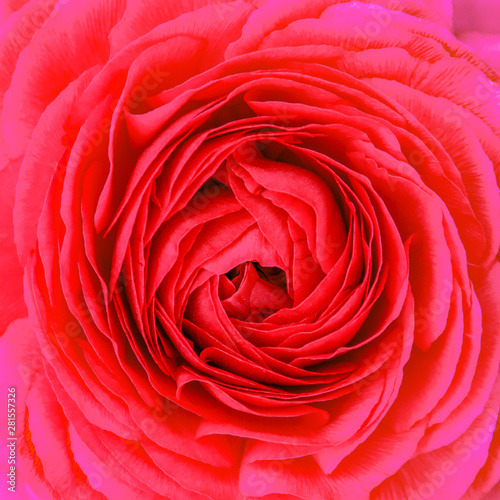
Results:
[259, 242]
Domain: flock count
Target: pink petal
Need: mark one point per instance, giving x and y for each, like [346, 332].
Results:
[9, 7]
[54, 64]
[447, 472]
[486, 45]
[278, 14]
[11, 292]
[493, 494]
[41, 424]
[142, 16]
[489, 476]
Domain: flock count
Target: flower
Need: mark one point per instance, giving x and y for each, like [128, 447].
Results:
[259, 242]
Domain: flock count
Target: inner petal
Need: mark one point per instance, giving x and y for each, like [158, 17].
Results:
[259, 292]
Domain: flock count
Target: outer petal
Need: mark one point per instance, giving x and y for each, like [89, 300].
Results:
[15, 35]
[20, 365]
[142, 16]
[444, 8]
[11, 292]
[487, 45]
[53, 63]
[47, 447]
[8, 7]
[449, 471]
[494, 494]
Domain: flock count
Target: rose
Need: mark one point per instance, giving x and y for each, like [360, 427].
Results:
[259, 243]
[123, 435]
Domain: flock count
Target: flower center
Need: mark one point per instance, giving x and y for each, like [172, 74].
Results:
[251, 292]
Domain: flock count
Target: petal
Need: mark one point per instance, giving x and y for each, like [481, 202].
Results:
[486, 371]
[42, 160]
[489, 475]
[494, 493]
[14, 37]
[41, 424]
[486, 45]
[448, 471]
[276, 15]
[9, 7]
[444, 10]
[11, 292]
[53, 63]
[142, 16]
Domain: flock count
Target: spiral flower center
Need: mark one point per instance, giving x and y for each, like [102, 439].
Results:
[251, 292]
